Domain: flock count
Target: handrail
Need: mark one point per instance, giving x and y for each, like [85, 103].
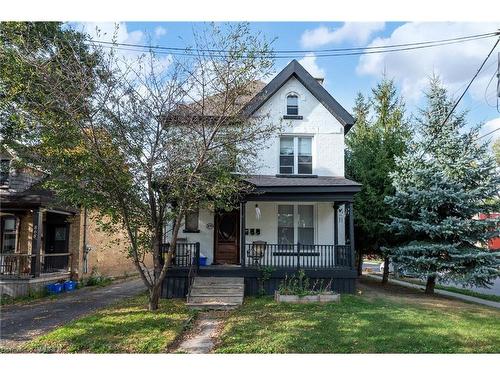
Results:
[194, 267]
[298, 256]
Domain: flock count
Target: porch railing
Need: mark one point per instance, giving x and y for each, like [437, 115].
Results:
[24, 265]
[186, 253]
[297, 256]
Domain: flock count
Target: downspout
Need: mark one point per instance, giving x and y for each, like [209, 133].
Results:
[85, 250]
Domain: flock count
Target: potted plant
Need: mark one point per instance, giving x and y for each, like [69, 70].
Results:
[297, 289]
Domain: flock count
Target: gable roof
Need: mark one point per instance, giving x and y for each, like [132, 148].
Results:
[294, 69]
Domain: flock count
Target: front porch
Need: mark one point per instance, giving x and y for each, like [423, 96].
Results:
[307, 224]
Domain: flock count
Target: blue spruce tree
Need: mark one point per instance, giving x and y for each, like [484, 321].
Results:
[442, 183]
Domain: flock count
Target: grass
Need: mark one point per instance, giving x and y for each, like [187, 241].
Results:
[126, 327]
[359, 325]
[489, 297]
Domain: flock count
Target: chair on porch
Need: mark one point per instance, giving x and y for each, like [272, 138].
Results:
[256, 251]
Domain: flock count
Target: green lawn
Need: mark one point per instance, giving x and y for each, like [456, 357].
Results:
[127, 327]
[359, 325]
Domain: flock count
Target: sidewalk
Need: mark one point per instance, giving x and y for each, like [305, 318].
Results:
[462, 297]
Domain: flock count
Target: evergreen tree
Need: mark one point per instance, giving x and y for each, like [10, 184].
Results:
[380, 134]
[442, 183]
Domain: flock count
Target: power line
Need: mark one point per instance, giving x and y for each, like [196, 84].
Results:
[355, 51]
[487, 134]
[461, 97]
[303, 51]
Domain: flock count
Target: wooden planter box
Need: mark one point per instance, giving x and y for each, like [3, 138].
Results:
[290, 298]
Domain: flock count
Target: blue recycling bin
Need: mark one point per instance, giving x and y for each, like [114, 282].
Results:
[69, 285]
[202, 261]
[55, 288]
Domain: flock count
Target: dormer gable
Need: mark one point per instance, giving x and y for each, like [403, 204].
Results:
[296, 70]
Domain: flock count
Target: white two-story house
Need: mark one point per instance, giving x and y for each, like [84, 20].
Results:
[299, 214]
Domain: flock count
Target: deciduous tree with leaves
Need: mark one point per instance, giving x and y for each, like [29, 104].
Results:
[443, 182]
[141, 141]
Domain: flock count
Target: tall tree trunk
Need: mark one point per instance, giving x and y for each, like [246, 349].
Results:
[385, 275]
[154, 297]
[431, 283]
[360, 261]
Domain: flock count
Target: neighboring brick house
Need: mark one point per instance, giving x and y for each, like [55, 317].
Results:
[43, 240]
[494, 243]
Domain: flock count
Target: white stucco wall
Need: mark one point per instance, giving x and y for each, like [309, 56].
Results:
[205, 236]
[318, 122]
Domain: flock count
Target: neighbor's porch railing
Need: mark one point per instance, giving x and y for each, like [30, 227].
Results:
[297, 256]
[24, 265]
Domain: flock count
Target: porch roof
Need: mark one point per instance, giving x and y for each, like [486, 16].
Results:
[305, 188]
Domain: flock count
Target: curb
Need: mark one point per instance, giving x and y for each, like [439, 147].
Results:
[462, 297]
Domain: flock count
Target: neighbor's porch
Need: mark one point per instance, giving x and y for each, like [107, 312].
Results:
[34, 248]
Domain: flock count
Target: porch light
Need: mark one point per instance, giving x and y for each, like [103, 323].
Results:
[257, 212]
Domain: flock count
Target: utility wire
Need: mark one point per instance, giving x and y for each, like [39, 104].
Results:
[487, 134]
[180, 49]
[364, 51]
[461, 96]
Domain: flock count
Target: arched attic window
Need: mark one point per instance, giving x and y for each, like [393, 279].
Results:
[292, 104]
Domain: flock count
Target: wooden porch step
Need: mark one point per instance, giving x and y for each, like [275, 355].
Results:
[213, 306]
[216, 292]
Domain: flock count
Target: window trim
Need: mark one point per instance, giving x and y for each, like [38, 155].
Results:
[15, 231]
[295, 172]
[288, 106]
[191, 230]
[295, 206]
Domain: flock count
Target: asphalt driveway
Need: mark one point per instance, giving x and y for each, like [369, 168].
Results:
[20, 323]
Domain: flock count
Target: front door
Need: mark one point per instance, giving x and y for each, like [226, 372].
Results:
[56, 242]
[227, 238]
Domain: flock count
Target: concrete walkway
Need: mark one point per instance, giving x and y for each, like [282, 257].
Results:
[202, 337]
[22, 322]
[462, 297]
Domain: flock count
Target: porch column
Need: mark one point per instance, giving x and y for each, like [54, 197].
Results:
[336, 224]
[36, 247]
[351, 233]
[335, 233]
[242, 232]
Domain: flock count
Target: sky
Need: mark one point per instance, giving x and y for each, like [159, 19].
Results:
[345, 76]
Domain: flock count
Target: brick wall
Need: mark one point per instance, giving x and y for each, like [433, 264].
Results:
[108, 254]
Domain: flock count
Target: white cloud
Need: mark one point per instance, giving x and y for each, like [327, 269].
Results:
[109, 31]
[309, 63]
[357, 32]
[490, 126]
[455, 63]
[160, 31]
[119, 33]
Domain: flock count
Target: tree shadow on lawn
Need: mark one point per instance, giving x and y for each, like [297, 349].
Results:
[128, 328]
[356, 325]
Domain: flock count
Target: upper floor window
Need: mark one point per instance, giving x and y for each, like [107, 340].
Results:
[295, 155]
[4, 171]
[292, 105]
